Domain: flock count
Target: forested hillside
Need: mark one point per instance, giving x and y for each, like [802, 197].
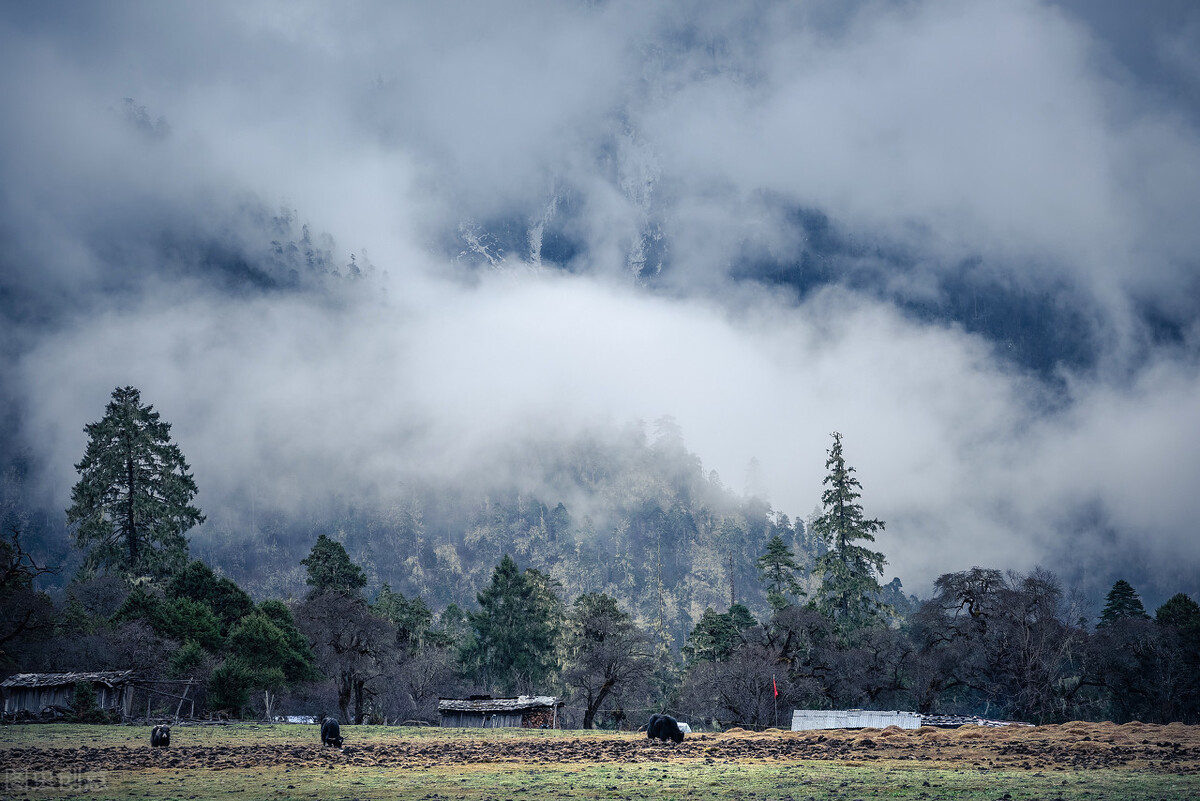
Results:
[626, 513]
[637, 519]
[667, 592]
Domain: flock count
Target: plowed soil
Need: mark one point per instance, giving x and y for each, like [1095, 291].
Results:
[1173, 749]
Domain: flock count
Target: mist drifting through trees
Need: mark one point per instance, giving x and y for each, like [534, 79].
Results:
[616, 634]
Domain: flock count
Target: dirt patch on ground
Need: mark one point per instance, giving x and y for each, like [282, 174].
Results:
[1171, 749]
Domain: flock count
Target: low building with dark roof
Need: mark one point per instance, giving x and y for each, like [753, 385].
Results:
[30, 693]
[484, 712]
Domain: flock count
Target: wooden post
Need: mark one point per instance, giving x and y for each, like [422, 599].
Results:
[183, 698]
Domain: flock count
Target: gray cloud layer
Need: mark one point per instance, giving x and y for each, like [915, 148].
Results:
[1013, 134]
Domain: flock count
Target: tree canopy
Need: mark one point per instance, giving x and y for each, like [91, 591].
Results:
[849, 592]
[777, 568]
[132, 504]
[606, 653]
[514, 632]
[1122, 601]
[330, 569]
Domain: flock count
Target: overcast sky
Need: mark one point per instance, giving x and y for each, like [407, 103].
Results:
[1054, 146]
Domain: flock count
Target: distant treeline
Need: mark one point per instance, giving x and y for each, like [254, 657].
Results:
[669, 593]
[988, 643]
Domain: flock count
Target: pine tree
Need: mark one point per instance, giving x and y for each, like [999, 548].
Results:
[514, 633]
[849, 592]
[1122, 601]
[198, 582]
[132, 504]
[717, 635]
[330, 569]
[272, 654]
[777, 568]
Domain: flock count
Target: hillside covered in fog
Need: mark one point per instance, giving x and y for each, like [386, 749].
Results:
[592, 284]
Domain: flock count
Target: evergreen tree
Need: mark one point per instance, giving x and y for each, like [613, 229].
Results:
[270, 658]
[716, 635]
[1179, 619]
[185, 620]
[226, 599]
[299, 664]
[330, 569]
[1179, 611]
[412, 617]
[132, 504]
[179, 619]
[849, 586]
[777, 568]
[188, 660]
[1122, 601]
[513, 635]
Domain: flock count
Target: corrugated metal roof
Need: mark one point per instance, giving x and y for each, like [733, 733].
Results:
[109, 677]
[808, 719]
[517, 704]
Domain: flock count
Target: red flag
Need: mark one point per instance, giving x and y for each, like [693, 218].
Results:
[775, 686]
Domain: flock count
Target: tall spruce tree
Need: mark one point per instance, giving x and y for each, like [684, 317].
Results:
[514, 634]
[849, 592]
[330, 569]
[777, 568]
[1122, 601]
[132, 504]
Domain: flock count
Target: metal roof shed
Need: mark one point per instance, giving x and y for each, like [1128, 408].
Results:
[806, 719]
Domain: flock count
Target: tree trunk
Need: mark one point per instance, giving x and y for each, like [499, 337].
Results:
[344, 691]
[358, 700]
[130, 518]
[589, 714]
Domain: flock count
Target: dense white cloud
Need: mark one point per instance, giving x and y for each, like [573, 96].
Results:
[994, 131]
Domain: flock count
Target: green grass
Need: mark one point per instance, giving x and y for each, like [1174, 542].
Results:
[687, 780]
[73, 735]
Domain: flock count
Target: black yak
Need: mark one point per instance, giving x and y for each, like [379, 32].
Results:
[160, 737]
[331, 732]
[664, 727]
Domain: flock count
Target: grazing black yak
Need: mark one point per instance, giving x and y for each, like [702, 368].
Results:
[331, 732]
[160, 737]
[664, 727]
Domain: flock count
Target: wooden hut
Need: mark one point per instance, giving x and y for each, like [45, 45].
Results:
[483, 712]
[32, 692]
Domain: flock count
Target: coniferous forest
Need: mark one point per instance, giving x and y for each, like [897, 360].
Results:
[629, 583]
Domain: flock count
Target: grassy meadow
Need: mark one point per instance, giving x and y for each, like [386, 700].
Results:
[668, 777]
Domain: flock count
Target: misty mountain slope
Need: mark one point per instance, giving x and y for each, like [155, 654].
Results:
[616, 514]
[1037, 328]
[961, 235]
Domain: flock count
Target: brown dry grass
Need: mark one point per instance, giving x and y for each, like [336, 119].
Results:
[1173, 749]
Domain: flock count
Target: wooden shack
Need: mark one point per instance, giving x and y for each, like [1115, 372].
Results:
[33, 692]
[484, 712]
